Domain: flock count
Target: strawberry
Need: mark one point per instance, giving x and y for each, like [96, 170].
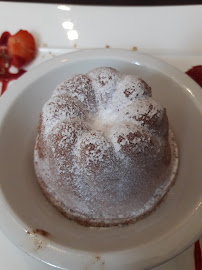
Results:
[21, 48]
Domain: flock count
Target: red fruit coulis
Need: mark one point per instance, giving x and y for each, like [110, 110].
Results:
[196, 74]
[5, 63]
[197, 256]
[7, 77]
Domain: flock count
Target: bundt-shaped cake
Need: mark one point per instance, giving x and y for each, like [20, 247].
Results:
[104, 155]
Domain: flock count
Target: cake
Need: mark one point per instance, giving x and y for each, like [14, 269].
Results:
[104, 154]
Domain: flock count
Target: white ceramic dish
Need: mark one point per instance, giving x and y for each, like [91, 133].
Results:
[145, 27]
[175, 225]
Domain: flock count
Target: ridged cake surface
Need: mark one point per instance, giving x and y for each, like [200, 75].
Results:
[104, 154]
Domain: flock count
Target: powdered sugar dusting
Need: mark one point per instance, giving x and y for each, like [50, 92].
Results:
[130, 88]
[131, 138]
[80, 87]
[102, 152]
[104, 82]
[59, 108]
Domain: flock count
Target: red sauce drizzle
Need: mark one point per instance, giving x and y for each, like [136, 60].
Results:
[196, 74]
[5, 75]
[197, 256]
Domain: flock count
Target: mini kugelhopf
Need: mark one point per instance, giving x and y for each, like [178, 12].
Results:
[104, 154]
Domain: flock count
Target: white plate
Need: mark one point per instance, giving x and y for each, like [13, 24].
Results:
[174, 226]
[170, 29]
